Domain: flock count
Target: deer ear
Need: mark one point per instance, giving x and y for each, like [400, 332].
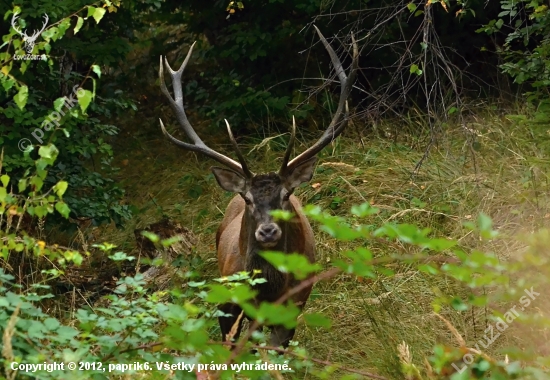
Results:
[302, 173]
[229, 180]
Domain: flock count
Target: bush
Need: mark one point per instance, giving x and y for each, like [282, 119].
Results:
[42, 104]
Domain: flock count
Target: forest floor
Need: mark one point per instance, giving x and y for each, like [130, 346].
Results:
[503, 172]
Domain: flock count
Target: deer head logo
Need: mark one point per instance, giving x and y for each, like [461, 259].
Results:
[29, 40]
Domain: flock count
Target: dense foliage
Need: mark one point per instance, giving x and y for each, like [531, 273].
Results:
[53, 99]
[526, 50]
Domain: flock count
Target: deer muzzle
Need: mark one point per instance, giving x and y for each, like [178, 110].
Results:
[268, 234]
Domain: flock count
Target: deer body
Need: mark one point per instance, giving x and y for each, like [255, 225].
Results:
[248, 227]
[236, 255]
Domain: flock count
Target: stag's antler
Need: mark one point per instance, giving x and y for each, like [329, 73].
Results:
[13, 24]
[198, 145]
[24, 33]
[37, 33]
[336, 125]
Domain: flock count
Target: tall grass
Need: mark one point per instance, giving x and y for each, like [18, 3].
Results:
[503, 173]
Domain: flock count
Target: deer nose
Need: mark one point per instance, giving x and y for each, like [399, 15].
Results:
[268, 233]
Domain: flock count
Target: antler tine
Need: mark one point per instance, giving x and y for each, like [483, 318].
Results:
[240, 156]
[37, 32]
[336, 125]
[46, 19]
[176, 103]
[13, 20]
[289, 147]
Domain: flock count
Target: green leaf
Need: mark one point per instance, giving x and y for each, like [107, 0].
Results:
[151, 236]
[242, 293]
[411, 7]
[98, 14]
[60, 188]
[66, 332]
[63, 26]
[341, 231]
[58, 104]
[282, 215]
[97, 70]
[218, 294]
[35, 330]
[514, 368]
[5, 180]
[198, 340]
[485, 225]
[51, 324]
[483, 365]
[317, 320]
[458, 305]
[79, 24]
[91, 11]
[8, 83]
[364, 209]
[22, 185]
[21, 97]
[37, 182]
[40, 211]
[170, 241]
[48, 153]
[294, 263]
[438, 244]
[84, 98]
[121, 256]
[63, 209]
[484, 222]
[415, 70]
[272, 314]
[427, 268]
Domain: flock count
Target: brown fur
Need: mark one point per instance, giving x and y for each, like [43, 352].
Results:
[231, 243]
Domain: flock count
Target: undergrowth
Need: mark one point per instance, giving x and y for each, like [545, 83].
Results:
[383, 318]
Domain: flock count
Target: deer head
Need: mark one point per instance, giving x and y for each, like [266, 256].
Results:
[264, 192]
[28, 40]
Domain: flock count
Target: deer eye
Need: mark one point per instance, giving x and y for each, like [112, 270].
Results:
[286, 197]
[247, 201]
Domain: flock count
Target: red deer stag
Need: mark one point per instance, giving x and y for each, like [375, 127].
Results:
[248, 227]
